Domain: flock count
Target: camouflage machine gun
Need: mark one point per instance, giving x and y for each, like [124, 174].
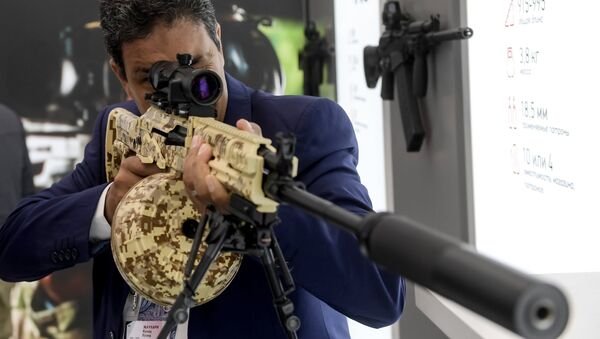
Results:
[157, 234]
[158, 206]
[155, 223]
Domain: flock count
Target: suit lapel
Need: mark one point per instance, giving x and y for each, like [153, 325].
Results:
[239, 104]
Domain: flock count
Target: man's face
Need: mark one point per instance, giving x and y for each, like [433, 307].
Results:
[163, 44]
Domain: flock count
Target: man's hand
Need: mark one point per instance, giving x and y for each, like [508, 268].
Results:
[131, 171]
[202, 187]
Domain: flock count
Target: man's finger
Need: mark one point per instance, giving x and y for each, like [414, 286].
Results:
[257, 129]
[217, 191]
[199, 203]
[134, 165]
[204, 154]
[247, 126]
[128, 177]
[195, 173]
[196, 143]
[189, 163]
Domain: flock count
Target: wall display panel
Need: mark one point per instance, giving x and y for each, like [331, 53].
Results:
[357, 24]
[534, 120]
[534, 117]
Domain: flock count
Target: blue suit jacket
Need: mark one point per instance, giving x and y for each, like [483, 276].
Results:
[50, 231]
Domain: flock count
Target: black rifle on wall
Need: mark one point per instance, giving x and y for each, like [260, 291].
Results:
[314, 56]
[401, 61]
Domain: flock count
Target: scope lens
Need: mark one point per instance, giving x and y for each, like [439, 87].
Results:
[206, 88]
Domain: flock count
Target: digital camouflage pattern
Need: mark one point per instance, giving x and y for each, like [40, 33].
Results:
[236, 162]
[150, 248]
[148, 244]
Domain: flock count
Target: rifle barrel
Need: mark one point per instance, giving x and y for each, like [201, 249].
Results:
[460, 33]
[515, 300]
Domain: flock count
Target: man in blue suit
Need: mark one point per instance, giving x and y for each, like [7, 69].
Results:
[69, 222]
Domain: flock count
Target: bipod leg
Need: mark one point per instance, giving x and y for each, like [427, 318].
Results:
[280, 281]
[189, 266]
[178, 314]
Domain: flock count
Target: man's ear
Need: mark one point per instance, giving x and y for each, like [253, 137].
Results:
[218, 33]
[122, 79]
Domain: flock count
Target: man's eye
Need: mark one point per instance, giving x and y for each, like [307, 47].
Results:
[202, 67]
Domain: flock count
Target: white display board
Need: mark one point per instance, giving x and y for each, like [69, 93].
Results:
[356, 26]
[534, 69]
[533, 72]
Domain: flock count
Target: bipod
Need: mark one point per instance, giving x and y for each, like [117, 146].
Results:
[242, 230]
[219, 229]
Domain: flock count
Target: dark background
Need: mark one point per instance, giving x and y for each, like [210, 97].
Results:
[42, 38]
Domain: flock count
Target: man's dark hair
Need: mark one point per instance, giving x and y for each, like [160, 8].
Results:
[128, 20]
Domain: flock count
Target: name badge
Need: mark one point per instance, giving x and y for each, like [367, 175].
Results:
[145, 329]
